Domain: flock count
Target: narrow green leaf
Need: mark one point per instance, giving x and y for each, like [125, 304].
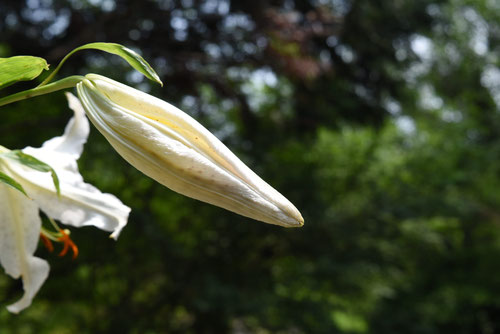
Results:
[134, 59]
[32, 162]
[4, 178]
[20, 68]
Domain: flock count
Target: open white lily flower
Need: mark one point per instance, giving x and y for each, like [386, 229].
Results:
[171, 147]
[79, 204]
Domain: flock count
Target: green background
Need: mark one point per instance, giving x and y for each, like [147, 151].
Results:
[378, 119]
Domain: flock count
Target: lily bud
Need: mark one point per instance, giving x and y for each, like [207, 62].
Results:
[171, 147]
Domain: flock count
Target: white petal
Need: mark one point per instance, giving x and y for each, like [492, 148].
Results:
[75, 134]
[80, 203]
[62, 152]
[19, 234]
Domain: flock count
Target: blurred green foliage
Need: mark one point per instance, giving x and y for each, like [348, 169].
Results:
[378, 119]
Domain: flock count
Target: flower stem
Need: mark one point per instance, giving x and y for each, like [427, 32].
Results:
[68, 82]
[54, 72]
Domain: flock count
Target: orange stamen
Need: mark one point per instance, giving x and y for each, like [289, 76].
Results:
[47, 243]
[68, 243]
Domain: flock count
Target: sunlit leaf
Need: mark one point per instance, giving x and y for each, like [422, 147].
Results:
[134, 59]
[20, 68]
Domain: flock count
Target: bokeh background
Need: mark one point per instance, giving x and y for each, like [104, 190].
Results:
[379, 119]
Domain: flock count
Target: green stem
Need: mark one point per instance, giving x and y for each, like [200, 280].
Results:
[54, 72]
[68, 82]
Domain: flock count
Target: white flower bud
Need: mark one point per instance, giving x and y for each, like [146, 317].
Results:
[171, 147]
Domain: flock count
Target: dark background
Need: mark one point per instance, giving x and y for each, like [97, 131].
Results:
[378, 119]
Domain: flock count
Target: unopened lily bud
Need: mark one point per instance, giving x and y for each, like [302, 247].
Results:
[171, 147]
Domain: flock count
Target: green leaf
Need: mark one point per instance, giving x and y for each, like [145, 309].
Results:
[20, 68]
[4, 178]
[134, 59]
[32, 162]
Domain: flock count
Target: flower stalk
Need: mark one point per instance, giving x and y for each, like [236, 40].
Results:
[65, 83]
